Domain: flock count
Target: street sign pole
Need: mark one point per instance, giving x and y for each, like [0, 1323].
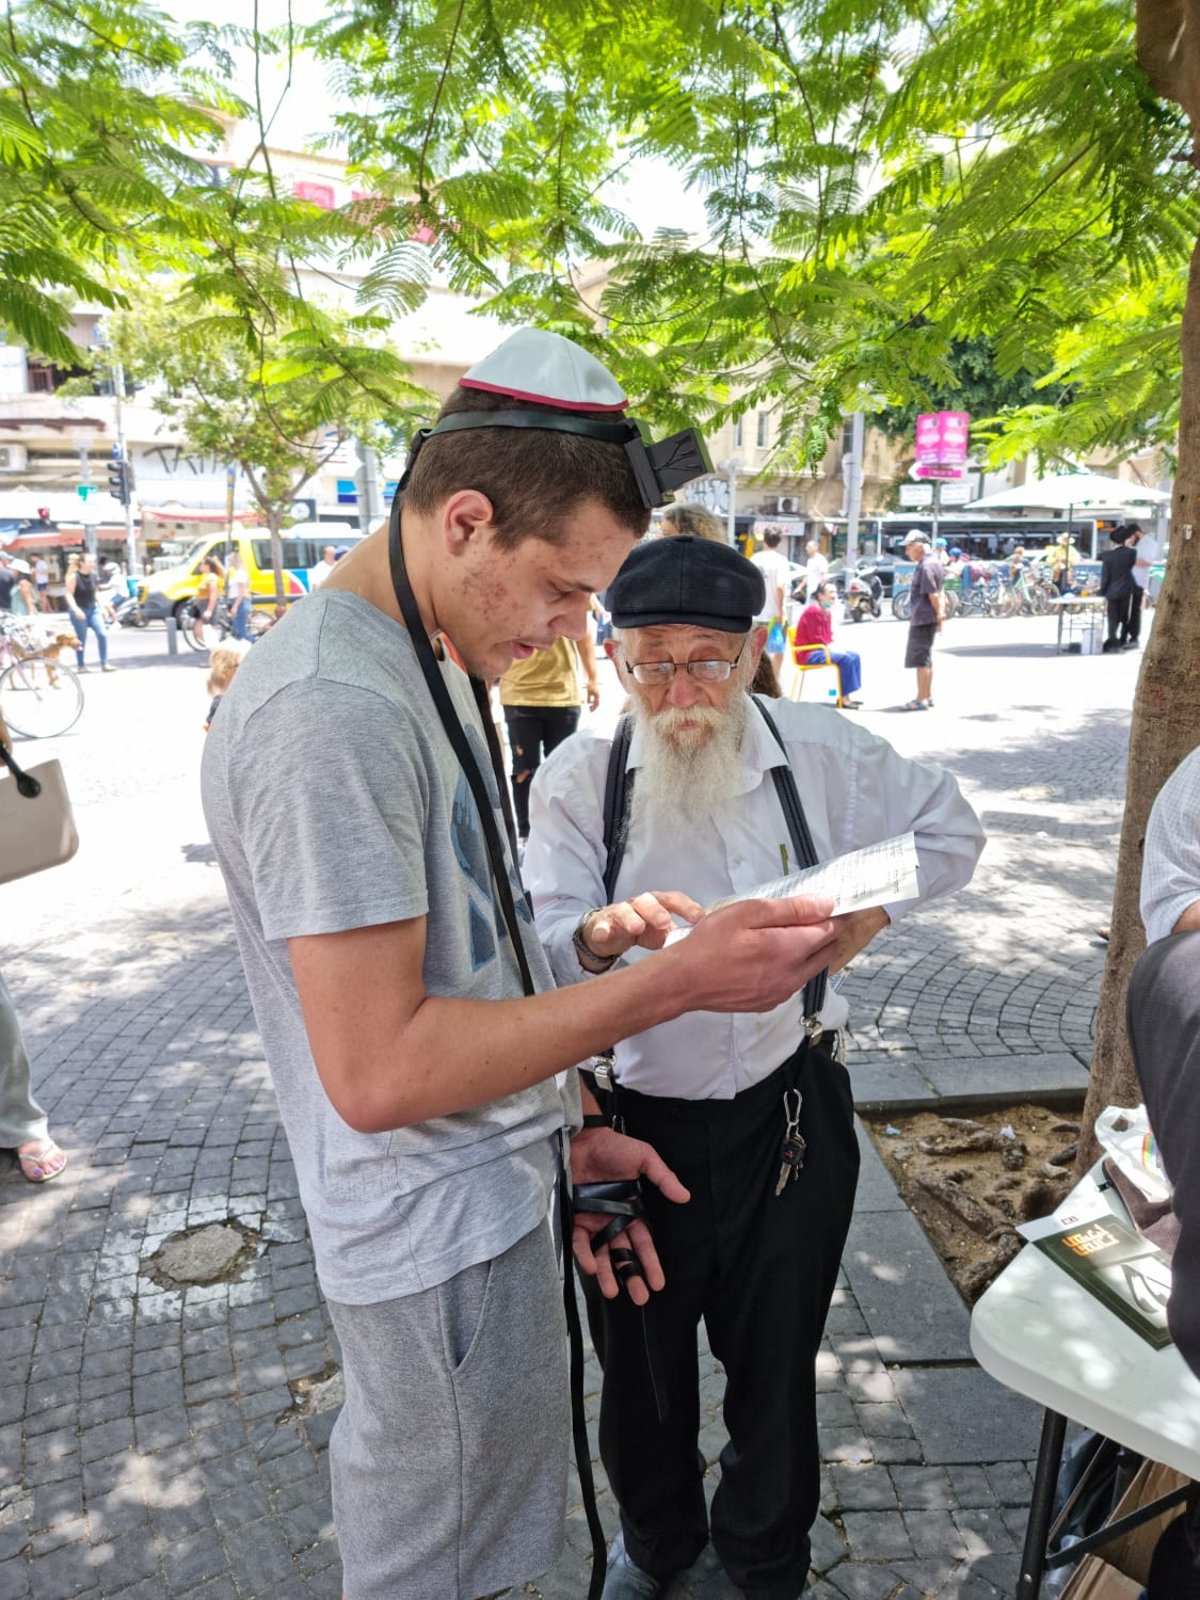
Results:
[118, 377]
[84, 491]
[854, 483]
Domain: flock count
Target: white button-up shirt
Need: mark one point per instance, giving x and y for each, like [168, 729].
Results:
[1171, 856]
[855, 790]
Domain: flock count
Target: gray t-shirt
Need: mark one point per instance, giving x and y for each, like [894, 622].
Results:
[335, 801]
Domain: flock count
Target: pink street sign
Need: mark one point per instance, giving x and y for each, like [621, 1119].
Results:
[942, 438]
[937, 471]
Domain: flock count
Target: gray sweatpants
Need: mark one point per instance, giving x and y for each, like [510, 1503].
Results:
[21, 1118]
[449, 1457]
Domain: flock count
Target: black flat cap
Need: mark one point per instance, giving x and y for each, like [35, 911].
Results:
[689, 581]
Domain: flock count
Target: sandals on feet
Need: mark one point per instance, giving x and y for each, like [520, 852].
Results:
[40, 1160]
[916, 705]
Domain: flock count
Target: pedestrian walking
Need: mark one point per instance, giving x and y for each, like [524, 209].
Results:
[776, 573]
[816, 570]
[542, 701]
[353, 792]
[1116, 587]
[813, 643]
[925, 617]
[24, 1128]
[23, 1125]
[41, 578]
[208, 597]
[237, 583]
[83, 603]
[755, 1113]
[1146, 551]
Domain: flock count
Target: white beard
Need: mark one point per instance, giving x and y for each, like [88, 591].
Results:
[689, 771]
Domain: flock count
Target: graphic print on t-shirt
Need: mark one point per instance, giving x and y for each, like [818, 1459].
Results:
[470, 851]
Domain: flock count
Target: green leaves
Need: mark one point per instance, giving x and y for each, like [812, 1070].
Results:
[881, 184]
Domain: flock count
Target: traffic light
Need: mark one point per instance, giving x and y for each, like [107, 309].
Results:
[120, 480]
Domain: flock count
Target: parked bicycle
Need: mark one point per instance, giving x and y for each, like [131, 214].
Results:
[40, 696]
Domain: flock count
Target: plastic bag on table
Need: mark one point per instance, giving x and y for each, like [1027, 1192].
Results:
[1128, 1140]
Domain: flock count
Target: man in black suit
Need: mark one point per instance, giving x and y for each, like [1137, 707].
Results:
[1117, 584]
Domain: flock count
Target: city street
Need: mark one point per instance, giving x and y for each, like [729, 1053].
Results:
[157, 1440]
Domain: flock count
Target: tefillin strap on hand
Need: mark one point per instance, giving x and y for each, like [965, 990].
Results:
[621, 1201]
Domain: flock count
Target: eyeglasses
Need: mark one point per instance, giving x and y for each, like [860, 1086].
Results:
[654, 674]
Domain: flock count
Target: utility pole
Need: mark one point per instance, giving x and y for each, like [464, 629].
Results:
[731, 473]
[366, 482]
[852, 476]
[122, 454]
[82, 442]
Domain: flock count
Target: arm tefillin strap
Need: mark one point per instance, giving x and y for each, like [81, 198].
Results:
[454, 731]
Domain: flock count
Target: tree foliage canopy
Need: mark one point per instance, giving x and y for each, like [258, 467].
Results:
[881, 183]
[884, 186]
[279, 409]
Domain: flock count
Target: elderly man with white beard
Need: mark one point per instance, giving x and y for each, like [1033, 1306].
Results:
[710, 791]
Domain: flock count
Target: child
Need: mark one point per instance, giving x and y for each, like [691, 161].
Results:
[222, 665]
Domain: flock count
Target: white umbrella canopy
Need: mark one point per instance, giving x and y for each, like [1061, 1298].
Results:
[1069, 489]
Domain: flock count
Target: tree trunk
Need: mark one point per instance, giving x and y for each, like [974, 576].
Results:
[1166, 710]
[1165, 727]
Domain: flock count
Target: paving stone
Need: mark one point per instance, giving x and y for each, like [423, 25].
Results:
[922, 1488]
[877, 1535]
[879, 1086]
[959, 1414]
[910, 1305]
[865, 1488]
[1010, 1482]
[972, 1486]
[854, 1581]
[1054, 1074]
[876, 1191]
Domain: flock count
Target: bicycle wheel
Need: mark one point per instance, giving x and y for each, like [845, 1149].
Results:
[40, 698]
[211, 634]
[902, 604]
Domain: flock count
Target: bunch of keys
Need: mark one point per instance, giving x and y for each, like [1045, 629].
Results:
[791, 1154]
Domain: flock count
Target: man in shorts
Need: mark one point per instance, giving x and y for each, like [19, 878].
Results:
[925, 617]
[423, 1061]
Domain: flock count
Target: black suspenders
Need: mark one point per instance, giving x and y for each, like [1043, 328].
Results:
[618, 802]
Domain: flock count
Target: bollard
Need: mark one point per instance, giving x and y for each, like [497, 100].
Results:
[172, 637]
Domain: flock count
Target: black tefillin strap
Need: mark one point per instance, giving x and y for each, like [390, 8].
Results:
[453, 728]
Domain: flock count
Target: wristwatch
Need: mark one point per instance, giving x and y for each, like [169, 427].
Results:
[588, 959]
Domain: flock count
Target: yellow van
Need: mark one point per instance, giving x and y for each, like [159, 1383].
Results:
[169, 593]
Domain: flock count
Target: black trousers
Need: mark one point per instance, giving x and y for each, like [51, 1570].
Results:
[533, 731]
[760, 1270]
[1133, 625]
[1118, 622]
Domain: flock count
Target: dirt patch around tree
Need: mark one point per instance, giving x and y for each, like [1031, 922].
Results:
[970, 1179]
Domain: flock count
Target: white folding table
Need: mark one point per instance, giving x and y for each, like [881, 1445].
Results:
[1039, 1332]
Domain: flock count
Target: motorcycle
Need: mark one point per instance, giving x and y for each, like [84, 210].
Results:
[128, 612]
[864, 594]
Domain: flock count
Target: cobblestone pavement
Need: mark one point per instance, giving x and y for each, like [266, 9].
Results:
[164, 1442]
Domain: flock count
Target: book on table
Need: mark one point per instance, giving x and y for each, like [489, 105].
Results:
[1125, 1272]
